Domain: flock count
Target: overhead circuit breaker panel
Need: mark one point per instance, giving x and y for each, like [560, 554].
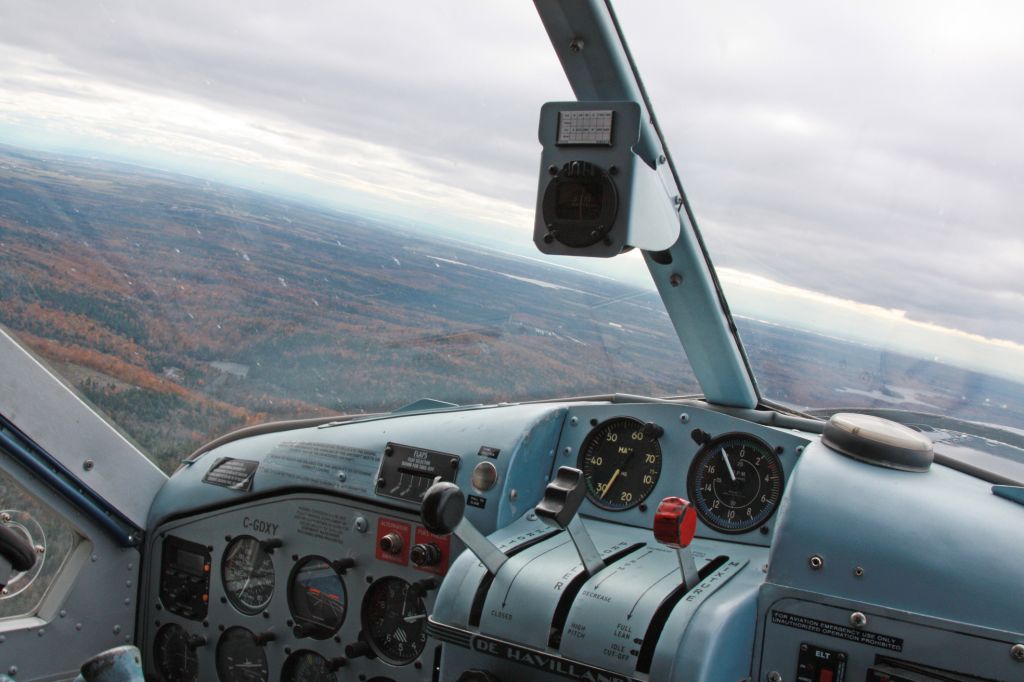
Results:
[596, 196]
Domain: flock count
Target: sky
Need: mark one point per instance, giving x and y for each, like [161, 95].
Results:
[854, 167]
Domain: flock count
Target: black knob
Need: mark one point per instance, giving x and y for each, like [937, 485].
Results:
[304, 630]
[264, 638]
[562, 498]
[196, 641]
[477, 676]
[342, 565]
[358, 650]
[270, 544]
[652, 430]
[442, 508]
[391, 543]
[425, 554]
[421, 587]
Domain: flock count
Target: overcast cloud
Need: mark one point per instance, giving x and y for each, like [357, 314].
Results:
[869, 151]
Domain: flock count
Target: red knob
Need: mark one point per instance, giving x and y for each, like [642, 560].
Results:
[675, 522]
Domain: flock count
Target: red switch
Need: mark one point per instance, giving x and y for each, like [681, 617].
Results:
[826, 675]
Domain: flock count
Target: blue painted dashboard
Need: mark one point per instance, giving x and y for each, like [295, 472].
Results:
[860, 570]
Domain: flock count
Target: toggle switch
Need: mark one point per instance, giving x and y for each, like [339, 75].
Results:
[675, 524]
[443, 513]
[562, 500]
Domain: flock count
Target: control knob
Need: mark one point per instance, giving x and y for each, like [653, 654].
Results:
[675, 524]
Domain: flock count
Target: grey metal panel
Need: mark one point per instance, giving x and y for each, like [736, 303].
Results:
[50, 413]
[917, 537]
[89, 607]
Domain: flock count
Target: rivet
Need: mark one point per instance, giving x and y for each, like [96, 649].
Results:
[513, 495]
[573, 421]
[576, 45]
[816, 562]
[78, 626]
[1017, 652]
[88, 464]
[342, 476]
[63, 613]
[675, 279]
[93, 558]
[567, 451]
[684, 418]
[859, 571]
[858, 619]
[41, 632]
[127, 601]
[117, 629]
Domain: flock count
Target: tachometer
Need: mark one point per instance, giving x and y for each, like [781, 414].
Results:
[248, 574]
[317, 598]
[240, 658]
[621, 462]
[307, 666]
[395, 619]
[735, 483]
[174, 655]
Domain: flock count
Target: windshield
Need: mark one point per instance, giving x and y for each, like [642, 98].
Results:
[209, 221]
[213, 216]
[854, 170]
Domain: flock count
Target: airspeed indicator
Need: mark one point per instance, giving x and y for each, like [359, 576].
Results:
[621, 462]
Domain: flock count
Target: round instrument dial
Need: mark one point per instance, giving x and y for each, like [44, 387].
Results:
[735, 483]
[174, 656]
[307, 666]
[247, 572]
[621, 462]
[395, 620]
[317, 598]
[240, 658]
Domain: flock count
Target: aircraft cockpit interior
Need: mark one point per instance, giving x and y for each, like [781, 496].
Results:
[715, 535]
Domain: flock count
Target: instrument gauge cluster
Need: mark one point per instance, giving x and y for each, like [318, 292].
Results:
[308, 591]
[633, 456]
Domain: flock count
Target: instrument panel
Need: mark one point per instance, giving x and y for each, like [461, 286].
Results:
[633, 456]
[303, 598]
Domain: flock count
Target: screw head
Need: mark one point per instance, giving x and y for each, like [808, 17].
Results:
[684, 418]
[1017, 652]
[675, 279]
[859, 571]
[576, 46]
[816, 562]
[88, 464]
[858, 619]
[775, 676]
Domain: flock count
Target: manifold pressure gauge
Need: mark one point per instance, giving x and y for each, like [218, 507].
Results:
[621, 462]
[735, 482]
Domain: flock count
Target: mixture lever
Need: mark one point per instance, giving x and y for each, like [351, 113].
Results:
[675, 524]
[562, 499]
[443, 513]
